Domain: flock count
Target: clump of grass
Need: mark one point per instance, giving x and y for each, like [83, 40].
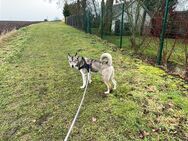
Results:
[5, 35]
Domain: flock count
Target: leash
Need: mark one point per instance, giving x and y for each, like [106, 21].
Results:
[78, 111]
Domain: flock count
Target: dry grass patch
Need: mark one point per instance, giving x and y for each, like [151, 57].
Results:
[5, 35]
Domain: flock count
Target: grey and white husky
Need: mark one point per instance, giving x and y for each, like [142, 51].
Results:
[103, 66]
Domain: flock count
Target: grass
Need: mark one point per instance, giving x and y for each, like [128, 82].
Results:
[151, 45]
[39, 92]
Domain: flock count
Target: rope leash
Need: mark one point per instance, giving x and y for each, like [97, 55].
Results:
[78, 111]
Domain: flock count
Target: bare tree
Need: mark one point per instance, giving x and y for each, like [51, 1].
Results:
[186, 61]
[108, 16]
[135, 18]
[95, 9]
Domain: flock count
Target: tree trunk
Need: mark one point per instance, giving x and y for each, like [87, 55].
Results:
[83, 11]
[84, 5]
[133, 42]
[171, 51]
[95, 9]
[108, 16]
[78, 6]
[143, 22]
[186, 62]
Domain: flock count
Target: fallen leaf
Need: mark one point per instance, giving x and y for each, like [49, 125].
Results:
[151, 89]
[94, 119]
[143, 134]
[34, 120]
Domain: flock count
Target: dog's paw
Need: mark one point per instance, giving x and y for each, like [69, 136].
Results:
[82, 87]
[114, 88]
[107, 92]
[90, 81]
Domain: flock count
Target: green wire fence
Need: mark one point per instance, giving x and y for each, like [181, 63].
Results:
[154, 33]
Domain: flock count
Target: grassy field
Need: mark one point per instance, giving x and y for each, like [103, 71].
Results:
[151, 45]
[39, 92]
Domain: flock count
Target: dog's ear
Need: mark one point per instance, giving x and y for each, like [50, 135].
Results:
[69, 56]
[76, 54]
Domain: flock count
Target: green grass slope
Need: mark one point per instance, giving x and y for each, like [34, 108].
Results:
[40, 93]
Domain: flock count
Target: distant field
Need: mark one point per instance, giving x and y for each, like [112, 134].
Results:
[6, 26]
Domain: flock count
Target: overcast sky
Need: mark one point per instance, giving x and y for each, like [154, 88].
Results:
[37, 10]
[182, 5]
[29, 10]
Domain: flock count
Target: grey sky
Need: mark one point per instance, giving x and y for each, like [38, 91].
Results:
[29, 10]
[182, 5]
[35, 10]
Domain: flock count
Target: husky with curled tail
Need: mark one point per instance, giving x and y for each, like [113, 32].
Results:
[103, 66]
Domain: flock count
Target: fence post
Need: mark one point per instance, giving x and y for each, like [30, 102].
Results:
[102, 16]
[85, 21]
[89, 21]
[122, 24]
[88, 26]
[164, 26]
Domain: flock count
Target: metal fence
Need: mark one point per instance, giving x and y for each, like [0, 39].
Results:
[159, 34]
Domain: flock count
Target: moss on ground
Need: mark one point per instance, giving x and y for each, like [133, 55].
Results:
[39, 92]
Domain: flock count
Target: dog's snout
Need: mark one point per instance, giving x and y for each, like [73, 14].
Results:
[72, 66]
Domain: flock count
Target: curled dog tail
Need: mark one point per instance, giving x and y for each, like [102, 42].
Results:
[106, 58]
